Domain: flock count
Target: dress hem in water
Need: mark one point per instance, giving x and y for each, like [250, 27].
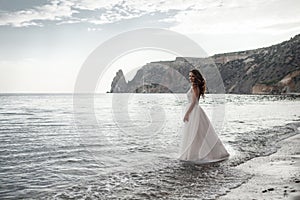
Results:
[200, 162]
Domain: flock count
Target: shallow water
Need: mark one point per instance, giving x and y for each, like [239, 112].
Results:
[128, 147]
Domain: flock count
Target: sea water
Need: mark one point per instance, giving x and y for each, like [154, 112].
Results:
[125, 146]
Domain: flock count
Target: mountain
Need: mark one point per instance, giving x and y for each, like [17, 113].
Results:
[269, 70]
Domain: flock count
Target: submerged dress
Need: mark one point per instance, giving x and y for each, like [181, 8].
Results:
[200, 143]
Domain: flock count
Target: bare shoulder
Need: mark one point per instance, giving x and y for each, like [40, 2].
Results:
[195, 89]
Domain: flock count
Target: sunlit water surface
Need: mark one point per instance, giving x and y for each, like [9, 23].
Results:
[128, 148]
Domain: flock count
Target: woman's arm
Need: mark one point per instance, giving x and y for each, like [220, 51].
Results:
[194, 100]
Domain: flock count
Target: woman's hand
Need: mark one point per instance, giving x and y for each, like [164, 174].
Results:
[186, 117]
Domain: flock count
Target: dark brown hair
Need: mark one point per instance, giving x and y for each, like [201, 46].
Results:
[199, 82]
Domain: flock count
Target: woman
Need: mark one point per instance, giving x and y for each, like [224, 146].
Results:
[200, 143]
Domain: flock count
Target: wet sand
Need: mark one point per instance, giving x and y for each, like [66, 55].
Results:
[274, 177]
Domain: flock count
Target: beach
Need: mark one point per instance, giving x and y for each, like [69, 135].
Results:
[276, 176]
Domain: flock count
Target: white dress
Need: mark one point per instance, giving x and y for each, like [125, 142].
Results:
[200, 143]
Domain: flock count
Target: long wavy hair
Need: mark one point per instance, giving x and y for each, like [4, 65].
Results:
[199, 82]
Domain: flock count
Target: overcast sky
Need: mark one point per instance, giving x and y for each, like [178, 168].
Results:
[45, 42]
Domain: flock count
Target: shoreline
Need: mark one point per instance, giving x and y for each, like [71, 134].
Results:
[276, 176]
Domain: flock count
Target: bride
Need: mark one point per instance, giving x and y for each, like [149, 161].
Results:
[200, 143]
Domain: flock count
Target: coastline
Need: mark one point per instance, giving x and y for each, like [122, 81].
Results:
[276, 176]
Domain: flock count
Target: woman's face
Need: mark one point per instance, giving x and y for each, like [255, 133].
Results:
[192, 77]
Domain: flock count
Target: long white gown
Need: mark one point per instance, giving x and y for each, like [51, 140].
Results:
[200, 143]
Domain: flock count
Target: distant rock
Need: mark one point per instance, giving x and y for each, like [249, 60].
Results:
[119, 83]
[270, 70]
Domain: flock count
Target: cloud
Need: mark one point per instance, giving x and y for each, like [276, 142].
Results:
[140, 6]
[62, 11]
[188, 16]
[94, 5]
[239, 17]
[55, 11]
[93, 29]
[116, 10]
[115, 14]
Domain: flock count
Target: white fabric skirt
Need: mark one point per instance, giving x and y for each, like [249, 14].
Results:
[200, 143]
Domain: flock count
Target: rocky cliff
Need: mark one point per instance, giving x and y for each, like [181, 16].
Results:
[270, 70]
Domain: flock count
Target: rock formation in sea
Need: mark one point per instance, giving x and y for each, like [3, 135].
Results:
[269, 70]
[119, 83]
